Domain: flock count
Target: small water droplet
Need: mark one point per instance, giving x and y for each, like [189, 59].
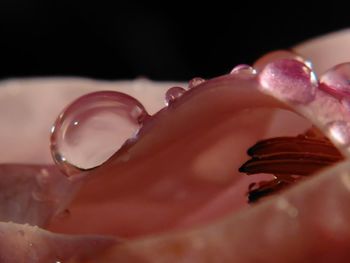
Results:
[340, 132]
[336, 81]
[289, 80]
[93, 128]
[195, 82]
[244, 70]
[173, 94]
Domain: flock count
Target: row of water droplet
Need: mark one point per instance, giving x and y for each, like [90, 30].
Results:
[95, 126]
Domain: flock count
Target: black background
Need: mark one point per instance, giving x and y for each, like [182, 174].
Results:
[170, 42]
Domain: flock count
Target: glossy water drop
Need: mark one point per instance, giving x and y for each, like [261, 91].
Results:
[195, 82]
[93, 128]
[289, 80]
[244, 71]
[336, 81]
[173, 94]
[340, 132]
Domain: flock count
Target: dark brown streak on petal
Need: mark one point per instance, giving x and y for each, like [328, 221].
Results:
[293, 144]
[289, 159]
[287, 163]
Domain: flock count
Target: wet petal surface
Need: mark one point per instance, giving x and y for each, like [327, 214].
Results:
[204, 122]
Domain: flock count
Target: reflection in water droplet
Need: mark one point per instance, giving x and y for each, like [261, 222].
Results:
[195, 82]
[289, 80]
[244, 71]
[93, 128]
[340, 132]
[336, 81]
[172, 94]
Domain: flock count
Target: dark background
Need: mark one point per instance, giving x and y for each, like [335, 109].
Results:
[174, 42]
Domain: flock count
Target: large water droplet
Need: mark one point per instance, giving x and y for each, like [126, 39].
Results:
[340, 132]
[289, 80]
[93, 128]
[173, 94]
[195, 82]
[336, 81]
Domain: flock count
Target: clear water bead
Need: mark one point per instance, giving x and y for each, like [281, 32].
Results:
[173, 94]
[336, 81]
[195, 82]
[93, 128]
[244, 71]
